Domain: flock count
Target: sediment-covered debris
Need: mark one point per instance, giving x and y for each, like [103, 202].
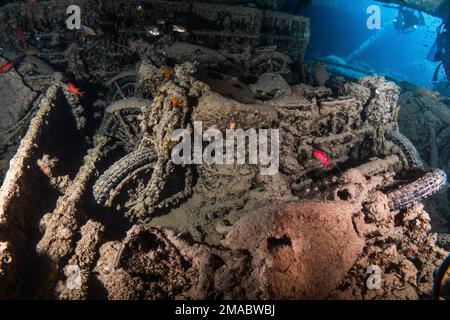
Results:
[95, 205]
[344, 214]
[304, 249]
[274, 259]
[388, 267]
[424, 120]
[400, 256]
[22, 204]
[78, 270]
[300, 250]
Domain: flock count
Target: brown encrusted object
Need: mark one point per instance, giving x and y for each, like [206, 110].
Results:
[300, 250]
[60, 227]
[296, 251]
[21, 95]
[347, 128]
[170, 110]
[161, 119]
[154, 263]
[400, 245]
[53, 132]
[77, 272]
[383, 108]
[148, 253]
[216, 111]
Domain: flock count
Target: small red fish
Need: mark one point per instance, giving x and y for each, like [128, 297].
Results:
[72, 88]
[7, 66]
[322, 157]
[22, 37]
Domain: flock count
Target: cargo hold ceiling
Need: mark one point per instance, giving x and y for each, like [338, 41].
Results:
[439, 8]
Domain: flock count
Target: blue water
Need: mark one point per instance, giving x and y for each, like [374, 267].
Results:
[339, 27]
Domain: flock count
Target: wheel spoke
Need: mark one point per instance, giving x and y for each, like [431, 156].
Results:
[119, 89]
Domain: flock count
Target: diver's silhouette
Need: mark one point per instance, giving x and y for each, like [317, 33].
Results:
[408, 20]
[440, 52]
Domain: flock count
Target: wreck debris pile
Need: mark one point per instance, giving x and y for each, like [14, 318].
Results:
[271, 252]
[191, 270]
[21, 206]
[98, 209]
[424, 118]
[291, 245]
[349, 210]
[399, 247]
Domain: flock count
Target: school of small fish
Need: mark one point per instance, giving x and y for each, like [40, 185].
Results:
[157, 31]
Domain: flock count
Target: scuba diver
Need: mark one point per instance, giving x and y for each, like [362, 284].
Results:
[440, 53]
[408, 20]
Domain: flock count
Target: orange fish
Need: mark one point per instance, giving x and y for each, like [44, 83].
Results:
[232, 125]
[322, 157]
[175, 102]
[7, 66]
[72, 88]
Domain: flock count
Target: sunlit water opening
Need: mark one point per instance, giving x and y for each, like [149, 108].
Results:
[339, 35]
